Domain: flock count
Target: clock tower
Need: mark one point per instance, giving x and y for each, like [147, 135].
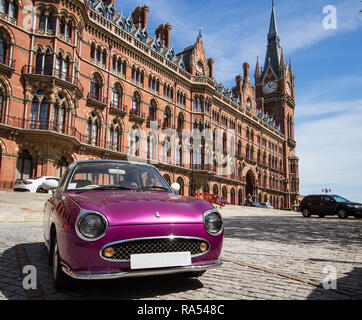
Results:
[275, 96]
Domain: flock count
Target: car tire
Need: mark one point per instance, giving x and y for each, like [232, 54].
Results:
[306, 213]
[321, 215]
[41, 190]
[61, 280]
[342, 214]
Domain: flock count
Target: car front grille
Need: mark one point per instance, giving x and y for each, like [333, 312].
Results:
[124, 250]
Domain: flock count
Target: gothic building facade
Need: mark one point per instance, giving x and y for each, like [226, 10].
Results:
[77, 76]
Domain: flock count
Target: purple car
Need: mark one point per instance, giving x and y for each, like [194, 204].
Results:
[115, 219]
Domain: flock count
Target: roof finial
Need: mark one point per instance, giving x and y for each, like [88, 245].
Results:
[200, 31]
[272, 3]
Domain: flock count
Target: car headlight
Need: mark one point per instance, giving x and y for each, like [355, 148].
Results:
[91, 225]
[213, 222]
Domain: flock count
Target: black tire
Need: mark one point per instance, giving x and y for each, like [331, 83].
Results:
[41, 190]
[342, 213]
[306, 213]
[321, 215]
[61, 280]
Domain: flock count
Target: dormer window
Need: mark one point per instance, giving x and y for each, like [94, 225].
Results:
[199, 69]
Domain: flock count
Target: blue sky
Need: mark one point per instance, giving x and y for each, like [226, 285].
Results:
[327, 65]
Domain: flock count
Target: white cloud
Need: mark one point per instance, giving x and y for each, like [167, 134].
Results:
[330, 150]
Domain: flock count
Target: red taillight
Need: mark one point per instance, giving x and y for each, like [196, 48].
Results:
[27, 182]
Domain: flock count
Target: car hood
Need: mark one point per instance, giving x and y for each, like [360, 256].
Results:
[136, 208]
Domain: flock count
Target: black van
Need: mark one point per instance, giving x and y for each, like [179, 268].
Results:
[330, 205]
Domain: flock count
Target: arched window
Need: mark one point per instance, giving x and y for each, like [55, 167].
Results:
[48, 62]
[39, 113]
[42, 21]
[180, 181]
[24, 165]
[224, 192]
[117, 97]
[93, 51]
[62, 166]
[60, 114]
[50, 24]
[3, 6]
[2, 105]
[248, 104]
[232, 196]
[62, 25]
[68, 30]
[39, 61]
[136, 104]
[62, 67]
[152, 111]
[180, 122]
[167, 118]
[93, 130]
[95, 88]
[4, 47]
[115, 136]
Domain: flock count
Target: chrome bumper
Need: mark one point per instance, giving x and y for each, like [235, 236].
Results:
[139, 273]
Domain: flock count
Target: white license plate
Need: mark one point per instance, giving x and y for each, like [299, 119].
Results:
[160, 260]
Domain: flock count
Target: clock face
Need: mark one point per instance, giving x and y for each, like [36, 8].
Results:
[270, 87]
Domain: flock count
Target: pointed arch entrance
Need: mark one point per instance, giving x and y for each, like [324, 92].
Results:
[250, 187]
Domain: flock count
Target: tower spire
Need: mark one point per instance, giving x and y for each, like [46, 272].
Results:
[273, 53]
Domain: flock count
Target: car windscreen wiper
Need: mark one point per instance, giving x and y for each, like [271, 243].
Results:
[104, 188]
[154, 187]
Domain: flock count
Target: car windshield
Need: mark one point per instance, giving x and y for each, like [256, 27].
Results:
[111, 175]
[339, 199]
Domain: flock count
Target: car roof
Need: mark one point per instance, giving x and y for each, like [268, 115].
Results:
[108, 160]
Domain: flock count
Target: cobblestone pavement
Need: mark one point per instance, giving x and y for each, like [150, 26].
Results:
[267, 255]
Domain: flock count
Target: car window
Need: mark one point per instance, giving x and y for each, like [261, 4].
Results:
[63, 179]
[339, 199]
[90, 175]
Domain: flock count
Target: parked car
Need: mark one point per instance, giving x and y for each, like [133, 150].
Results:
[266, 205]
[256, 204]
[324, 205]
[122, 219]
[32, 185]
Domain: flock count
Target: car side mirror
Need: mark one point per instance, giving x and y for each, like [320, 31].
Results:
[50, 185]
[175, 187]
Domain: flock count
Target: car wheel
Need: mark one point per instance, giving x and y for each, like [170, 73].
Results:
[321, 215]
[306, 213]
[342, 214]
[61, 280]
[41, 190]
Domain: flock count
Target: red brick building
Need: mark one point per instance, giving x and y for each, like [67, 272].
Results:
[77, 77]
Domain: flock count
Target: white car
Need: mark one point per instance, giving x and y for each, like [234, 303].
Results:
[32, 185]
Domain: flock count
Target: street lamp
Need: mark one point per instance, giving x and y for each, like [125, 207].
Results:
[326, 190]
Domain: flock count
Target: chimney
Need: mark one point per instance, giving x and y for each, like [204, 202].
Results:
[239, 81]
[164, 32]
[140, 16]
[210, 63]
[246, 68]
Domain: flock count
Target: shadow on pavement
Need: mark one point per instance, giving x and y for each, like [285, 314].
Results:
[119, 289]
[346, 287]
[295, 229]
